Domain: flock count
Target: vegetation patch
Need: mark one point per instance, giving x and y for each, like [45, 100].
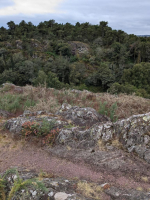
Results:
[18, 184]
[45, 131]
[90, 190]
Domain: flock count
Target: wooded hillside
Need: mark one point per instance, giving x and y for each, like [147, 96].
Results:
[81, 56]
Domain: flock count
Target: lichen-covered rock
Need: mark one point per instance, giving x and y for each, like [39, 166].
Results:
[78, 47]
[83, 117]
[84, 127]
[132, 194]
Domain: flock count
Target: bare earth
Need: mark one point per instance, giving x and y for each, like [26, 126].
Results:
[23, 154]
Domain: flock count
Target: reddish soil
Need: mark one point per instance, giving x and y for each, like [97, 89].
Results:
[22, 154]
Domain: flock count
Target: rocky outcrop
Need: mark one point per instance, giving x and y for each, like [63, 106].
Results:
[78, 47]
[82, 117]
[84, 128]
[18, 44]
[119, 149]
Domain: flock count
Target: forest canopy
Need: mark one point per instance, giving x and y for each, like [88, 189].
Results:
[82, 56]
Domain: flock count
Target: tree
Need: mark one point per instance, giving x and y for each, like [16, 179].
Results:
[139, 76]
[103, 77]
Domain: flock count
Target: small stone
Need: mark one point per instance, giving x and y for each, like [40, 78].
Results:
[31, 191]
[34, 193]
[61, 196]
[117, 194]
[146, 139]
[51, 194]
[15, 177]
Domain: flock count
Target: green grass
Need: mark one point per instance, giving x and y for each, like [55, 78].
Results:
[10, 102]
[13, 103]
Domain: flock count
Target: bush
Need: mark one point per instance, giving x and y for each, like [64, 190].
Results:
[117, 88]
[45, 131]
[110, 112]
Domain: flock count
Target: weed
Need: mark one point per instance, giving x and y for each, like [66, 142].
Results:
[90, 190]
[42, 175]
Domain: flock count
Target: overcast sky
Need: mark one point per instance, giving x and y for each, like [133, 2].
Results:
[131, 16]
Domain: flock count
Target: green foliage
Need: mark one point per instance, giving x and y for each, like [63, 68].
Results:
[139, 76]
[53, 82]
[47, 54]
[117, 88]
[110, 112]
[3, 183]
[77, 73]
[126, 88]
[103, 77]
[45, 127]
[41, 79]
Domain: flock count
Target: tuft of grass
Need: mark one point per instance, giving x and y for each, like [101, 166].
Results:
[90, 190]
[144, 178]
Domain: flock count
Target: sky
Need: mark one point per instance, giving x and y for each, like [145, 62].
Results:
[131, 16]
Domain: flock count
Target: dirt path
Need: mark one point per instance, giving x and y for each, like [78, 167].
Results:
[22, 154]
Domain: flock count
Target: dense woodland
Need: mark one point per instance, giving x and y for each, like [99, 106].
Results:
[81, 56]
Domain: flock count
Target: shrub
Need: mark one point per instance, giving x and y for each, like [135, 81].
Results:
[45, 131]
[110, 112]
[10, 102]
[117, 88]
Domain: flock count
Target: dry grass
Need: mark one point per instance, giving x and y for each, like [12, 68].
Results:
[49, 99]
[90, 190]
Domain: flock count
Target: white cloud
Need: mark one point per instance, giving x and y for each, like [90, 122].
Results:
[31, 7]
